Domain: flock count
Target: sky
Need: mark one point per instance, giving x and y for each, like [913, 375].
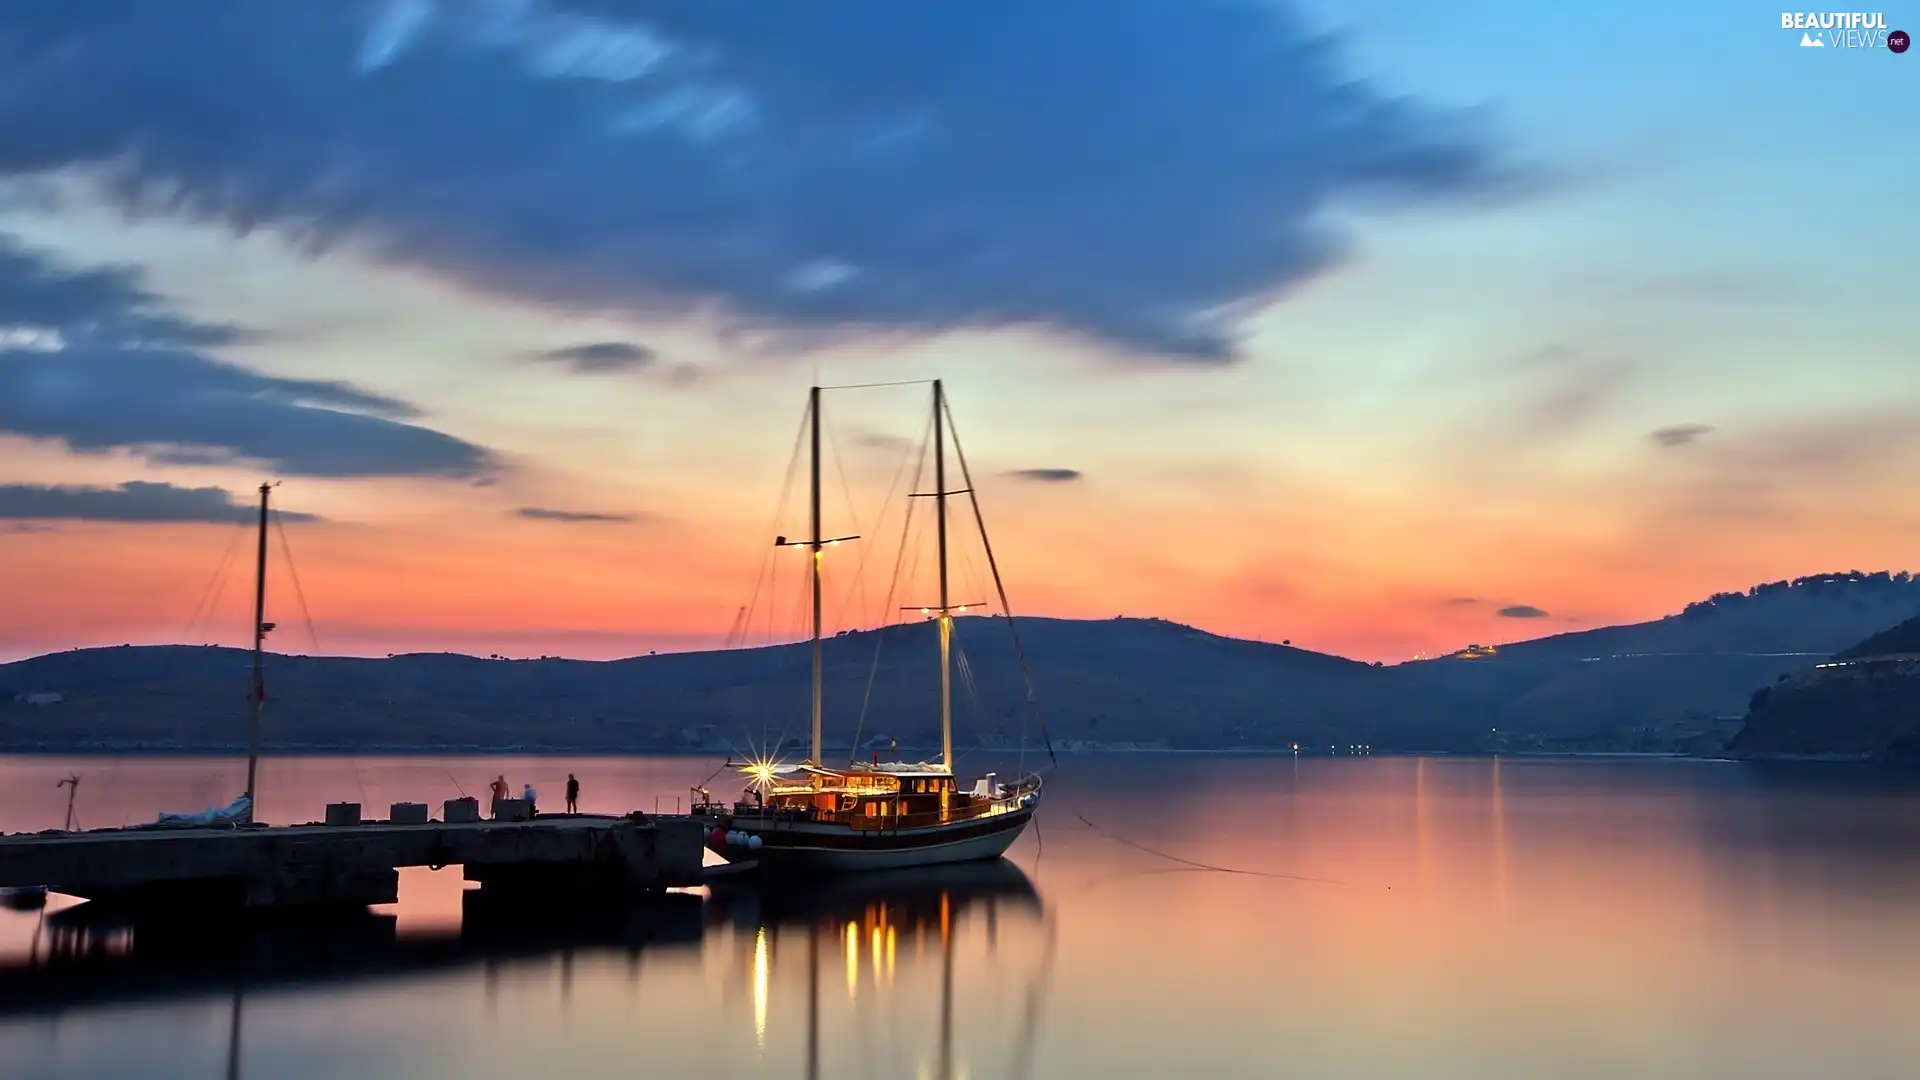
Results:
[1378, 327]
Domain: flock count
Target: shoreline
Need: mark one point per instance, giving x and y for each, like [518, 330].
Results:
[229, 751]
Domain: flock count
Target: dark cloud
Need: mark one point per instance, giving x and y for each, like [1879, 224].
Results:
[574, 517]
[1462, 601]
[902, 166]
[183, 408]
[91, 305]
[1680, 434]
[1522, 611]
[29, 527]
[1047, 476]
[601, 357]
[106, 368]
[133, 501]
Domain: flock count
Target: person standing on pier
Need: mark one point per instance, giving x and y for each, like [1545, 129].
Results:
[573, 794]
[526, 792]
[499, 792]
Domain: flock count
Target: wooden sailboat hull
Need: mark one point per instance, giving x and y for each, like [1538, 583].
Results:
[803, 848]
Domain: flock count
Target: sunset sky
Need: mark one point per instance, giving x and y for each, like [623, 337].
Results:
[1381, 326]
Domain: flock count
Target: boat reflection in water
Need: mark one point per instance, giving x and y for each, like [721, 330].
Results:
[889, 920]
[86, 958]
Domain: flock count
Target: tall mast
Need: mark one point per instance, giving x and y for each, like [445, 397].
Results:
[946, 614]
[813, 410]
[259, 695]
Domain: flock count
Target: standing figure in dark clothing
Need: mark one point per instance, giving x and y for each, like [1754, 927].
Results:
[573, 794]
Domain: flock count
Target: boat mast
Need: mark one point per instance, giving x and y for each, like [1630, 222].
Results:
[258, 697]
[946, 614]
[813, 410]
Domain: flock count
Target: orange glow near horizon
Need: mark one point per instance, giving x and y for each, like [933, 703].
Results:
[528, 588]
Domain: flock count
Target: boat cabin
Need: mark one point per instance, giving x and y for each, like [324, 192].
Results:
[878, 797]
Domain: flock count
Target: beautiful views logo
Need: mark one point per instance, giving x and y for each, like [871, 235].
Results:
[1845, 30]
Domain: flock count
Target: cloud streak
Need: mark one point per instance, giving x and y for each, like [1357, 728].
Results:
[1522, 611]
[135, 501]
[904, 167]
[601, 357]
[182, 408]
[574, 517]
[1047, 476]
[1680, 434]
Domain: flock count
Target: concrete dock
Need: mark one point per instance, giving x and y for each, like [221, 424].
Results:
[353, 865]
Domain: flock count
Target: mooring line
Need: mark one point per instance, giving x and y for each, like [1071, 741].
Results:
[1200, 865]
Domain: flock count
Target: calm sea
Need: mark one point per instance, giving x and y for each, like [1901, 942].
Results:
[1397, 917]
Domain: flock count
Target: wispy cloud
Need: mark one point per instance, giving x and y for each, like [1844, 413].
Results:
[1522, 611]
[1565, 387]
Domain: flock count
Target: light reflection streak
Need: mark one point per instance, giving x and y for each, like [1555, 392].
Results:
[760, 973]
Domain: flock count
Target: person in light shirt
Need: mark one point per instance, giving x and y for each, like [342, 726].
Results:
[526, 793]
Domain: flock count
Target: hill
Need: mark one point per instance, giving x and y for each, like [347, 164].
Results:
[1122, 680]
[1863, 704]
[1656, 686]
[1680, 682]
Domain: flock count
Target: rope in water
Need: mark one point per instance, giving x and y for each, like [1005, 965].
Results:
[1200, 865]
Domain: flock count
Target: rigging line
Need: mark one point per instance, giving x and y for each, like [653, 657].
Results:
[210, 594]
[853, 514]
[717, 772]
[286, 552]
[893, 585]
[973, 496]
[867, 550]
[872, 385]
[770, 556]
[1200, 865]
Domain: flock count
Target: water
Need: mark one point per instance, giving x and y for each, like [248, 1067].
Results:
[1470, 919]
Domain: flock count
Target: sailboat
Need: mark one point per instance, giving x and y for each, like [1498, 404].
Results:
[816, 819]
[240, 811]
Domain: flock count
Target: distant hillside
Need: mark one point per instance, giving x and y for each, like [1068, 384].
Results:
[1903, 639]
[1115, 681]
[1657, 686]
[1777, 617]
[1864, 703]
